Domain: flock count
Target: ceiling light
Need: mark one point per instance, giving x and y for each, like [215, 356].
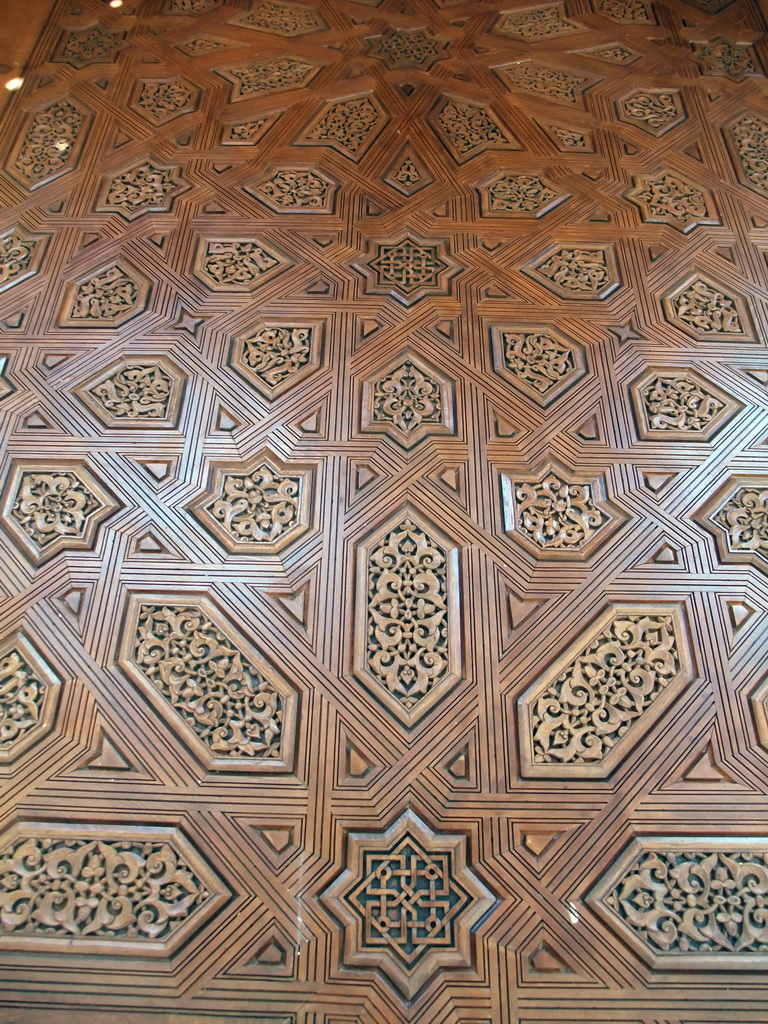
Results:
[14, 83]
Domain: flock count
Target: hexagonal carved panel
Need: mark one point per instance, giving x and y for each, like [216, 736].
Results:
[212, 688]
[119, 889]
[408, 399]
[533, 24]
[468, 129]
[667, 198]
[548, 82]
[145, 394]
[577, 272]
[519, 195]
[737, 516]
[348, 126]
[49, 142]
[282, 19]
[92, 45]
[106, 298]
[653, 110]
[407, 629]
[55, 506]
[29, 696]
[707, 310]
[604, 692]
[237, 264]
[20, 256]
[680, 405]
[144, 187]
[408, 902]
[258, 506]
[748, 140]
[689, 903]
[264, 76]
[406, 48]
[160, 100]
[275, 356]
[537, 359]
[295, 190]
[407, 268]
[558, 514]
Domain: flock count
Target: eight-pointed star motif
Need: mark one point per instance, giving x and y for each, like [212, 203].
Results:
[408, 268]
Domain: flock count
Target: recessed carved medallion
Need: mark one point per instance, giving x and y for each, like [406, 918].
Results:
[728, 60]
[679, 405]
[407, 173]
[603, 693]
[29, 696]
[707, 310]
[737, 516]
[406, 48]
[263, 76]
[141, 393]
[95, 44]
[577, 272]
[106, 298]
[748, 139]
[627, 12]
[408, 399]
[548, 82]
[408, 269]
[348, 126]
[668, 198]
[537, 359]
[689, 903]
[536, 23]
[469, 129]
[49, 143]
[556, 513]
[20, 256]
[53, 506]
[276, 355]
[212, 688]
[237, 264]
[160, 100]
[281, 19]
[141, 188]
[296, 190]
[408, 902]
[258, 506]
[653, 110]
[519, 195]
[407, 628]
[100, 888]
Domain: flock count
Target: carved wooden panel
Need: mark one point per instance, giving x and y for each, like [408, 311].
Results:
[384, 514]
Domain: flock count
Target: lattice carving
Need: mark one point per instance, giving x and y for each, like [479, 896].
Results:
[749, 141]
[263, 76]
[551, 83]
[469, 129]
[102, 888]
[141, 188]
[160, 100]
[653, 110]
[539, 360]
[235, 264]
[20, 256]
[536, 23]
[737, 516]
[668, 198]
[689, 903]
[627, 12]
[259, 506]
[51, 506]
[408, 399]
[408, 269]
[297, 190]
[145, 394]
[580, 272]
[407, 630]
[349, 126]
[604, 692]
[49, 143]
[106, 298]
[81, 47]
[681, 405]
[282, 19]
[510, 195]
[729, 60]
[406, 48]
[408, 902]
[705, 309]
[278, 355]
[212, 688]
[29, 695]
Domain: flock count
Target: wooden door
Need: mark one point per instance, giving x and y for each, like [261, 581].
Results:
[385, 514]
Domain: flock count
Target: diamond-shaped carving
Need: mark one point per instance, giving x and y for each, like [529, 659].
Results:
[748, 140]
[281, 19]
[95, 44]
[134, 392]
[557, 513]
[160, 100]
[549, 82]
[276, 355]
[679, 405]
[602, 694]
[198, 46]
[51, 506]
[729, 60]
[348, 126]
[586, 271]
[213, 688]
[257, 77]
[295, 190]
[101, 888]
[539, 360]
[29, 696]
[20, 256]
[408, 399]
[237, 264]
[707, 310]
[49, 142]
[246, 133]
[408, 902]
[627, 12]
[258, 506]
[737, 516]
[468, 129]
[653, 110]
[407, 173]
[407, 625]
[535, 23]
[106, 298]
[667, 198]
[613, 53]
[519, 195]
[142, 187]
[408, 268]
[406, 48]
[689, 903]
